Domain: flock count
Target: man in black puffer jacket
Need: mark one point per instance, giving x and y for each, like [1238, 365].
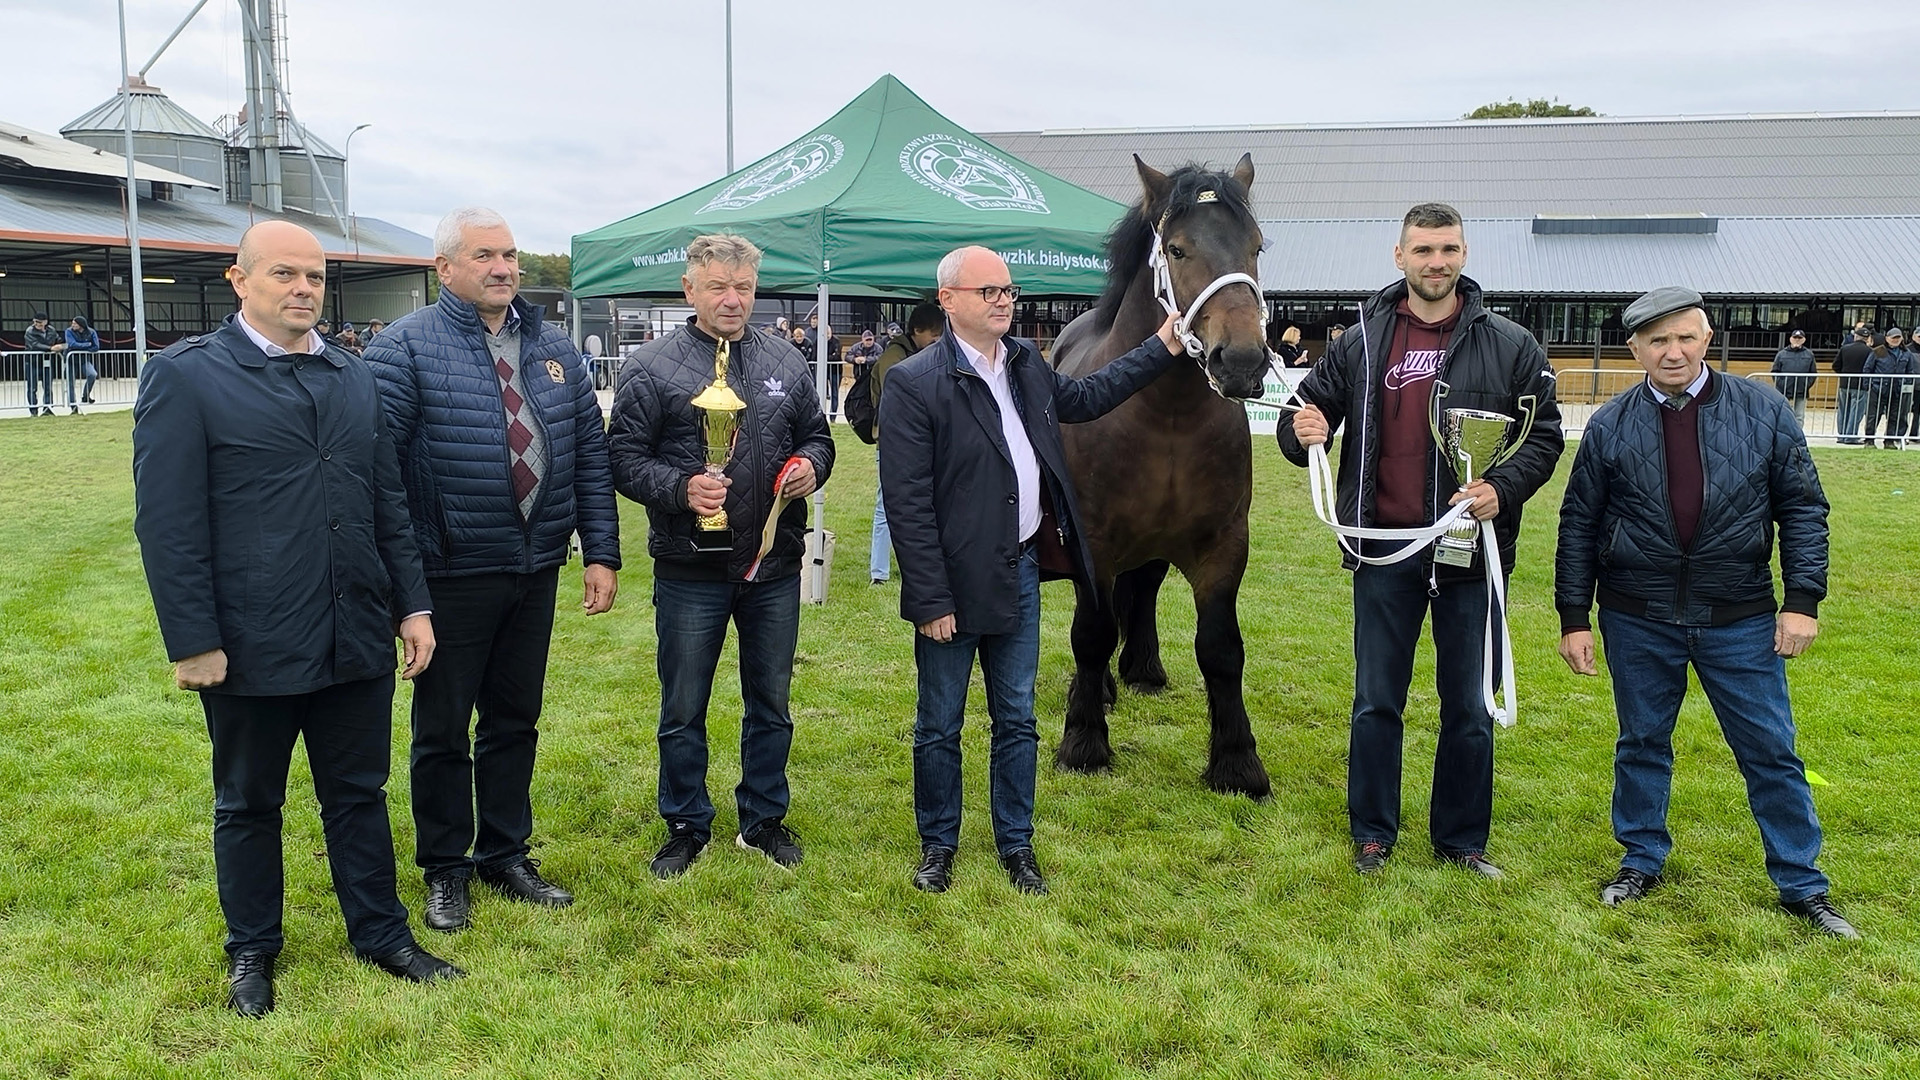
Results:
[1427, 343]
[1670, 512]
[659, 454]
[504, 452]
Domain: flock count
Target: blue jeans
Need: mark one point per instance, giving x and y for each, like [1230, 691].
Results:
[1747, 684]
[39, 373]
[1009, 664]
[79, 362]
[1848, 408]
[690, 619]
[879, 557]
[1389, 605]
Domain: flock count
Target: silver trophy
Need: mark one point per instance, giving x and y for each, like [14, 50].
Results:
[1473, 441]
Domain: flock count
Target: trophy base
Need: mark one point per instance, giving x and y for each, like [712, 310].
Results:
[708, 539]
[1454, 551]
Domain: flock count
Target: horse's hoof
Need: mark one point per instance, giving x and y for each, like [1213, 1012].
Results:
[1238, 774]
[1148, 685]
[1082, 752]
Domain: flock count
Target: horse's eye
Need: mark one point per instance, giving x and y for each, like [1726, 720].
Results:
[1174, 251]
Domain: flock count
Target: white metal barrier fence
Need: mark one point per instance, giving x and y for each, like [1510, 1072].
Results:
[49, 383]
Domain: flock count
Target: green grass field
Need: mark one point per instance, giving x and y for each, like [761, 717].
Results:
[1188, 934]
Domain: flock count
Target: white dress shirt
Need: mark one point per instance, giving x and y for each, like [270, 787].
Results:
[1693, 388]
[313, 344]
[1026, 467]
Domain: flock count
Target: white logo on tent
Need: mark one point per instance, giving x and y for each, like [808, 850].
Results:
[797, 164]
[972, 174]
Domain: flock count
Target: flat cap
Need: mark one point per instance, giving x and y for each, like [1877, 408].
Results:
[1657, 305]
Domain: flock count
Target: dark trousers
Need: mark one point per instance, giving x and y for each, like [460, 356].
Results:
[491, 636]
[1389, 605]
[690, 620]
[1009, 664]
[348, 730]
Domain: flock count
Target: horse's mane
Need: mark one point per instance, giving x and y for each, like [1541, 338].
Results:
[1131, 240]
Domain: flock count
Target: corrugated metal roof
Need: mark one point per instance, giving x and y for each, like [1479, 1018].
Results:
[1857, 164]
[1745, 256]
[153, 113]
[31, 212]
[39, 150]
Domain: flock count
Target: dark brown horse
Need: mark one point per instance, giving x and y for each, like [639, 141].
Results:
[1166, 478]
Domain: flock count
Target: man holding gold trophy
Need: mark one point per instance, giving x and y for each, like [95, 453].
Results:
[1444, 402]
[717, 432]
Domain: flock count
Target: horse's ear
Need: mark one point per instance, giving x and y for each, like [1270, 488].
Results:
[1153, 182]
[1243, 171]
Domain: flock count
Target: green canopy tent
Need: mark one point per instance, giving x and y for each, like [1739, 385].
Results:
[865, 205]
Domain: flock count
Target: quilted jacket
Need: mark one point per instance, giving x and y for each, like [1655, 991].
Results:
[1617, 532]
[449, 425]
[657, 444]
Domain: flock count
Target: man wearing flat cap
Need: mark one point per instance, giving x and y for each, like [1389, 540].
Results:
[1793, 371]
[1677, 486]
[1892, 368]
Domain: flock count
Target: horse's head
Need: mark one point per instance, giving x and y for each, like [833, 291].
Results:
[1206, 231]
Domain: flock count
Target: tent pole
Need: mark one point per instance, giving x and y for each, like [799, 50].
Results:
[817, 536]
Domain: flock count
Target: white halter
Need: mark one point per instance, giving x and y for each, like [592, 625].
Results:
[1183, 323]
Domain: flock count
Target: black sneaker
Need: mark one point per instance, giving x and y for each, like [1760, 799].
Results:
[1370, 856]
[1826, 918]
[776, 842]
[1474, 861]
[682, 847]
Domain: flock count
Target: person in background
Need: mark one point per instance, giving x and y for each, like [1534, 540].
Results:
[374, 326]
[81, 343]
[1889, 364]
[1291, 354]
[1793, 369]
[925, 325]
[1850, 363]
[43, 344]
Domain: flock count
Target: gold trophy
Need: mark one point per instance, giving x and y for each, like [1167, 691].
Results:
[1473, 441]
[721, 407]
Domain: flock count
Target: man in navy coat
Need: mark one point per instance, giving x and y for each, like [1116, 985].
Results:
[277, 547]
[503, 450]
[977, 491]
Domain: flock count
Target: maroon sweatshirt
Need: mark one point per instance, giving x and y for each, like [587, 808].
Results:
[1406, 443]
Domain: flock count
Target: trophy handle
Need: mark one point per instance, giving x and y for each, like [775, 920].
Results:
[1434, 406]
[1528, 405]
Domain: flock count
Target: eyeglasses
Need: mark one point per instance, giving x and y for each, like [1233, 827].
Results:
[992, 293]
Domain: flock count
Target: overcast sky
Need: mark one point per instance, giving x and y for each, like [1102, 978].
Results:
[565, 115]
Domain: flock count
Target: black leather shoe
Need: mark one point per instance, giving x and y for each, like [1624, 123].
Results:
[1371, 857]
[415, 964]
[522, 881]
[1024, 871]
[1826, 918]
[250, 984]
[682, 847]
[449, 904]
[935, 873]
[1628, 884]
[1476, 862]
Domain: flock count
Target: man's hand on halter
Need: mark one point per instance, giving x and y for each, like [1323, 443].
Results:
[1170, 339]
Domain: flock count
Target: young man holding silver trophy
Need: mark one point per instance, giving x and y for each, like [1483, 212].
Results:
[715, 430]
[1444, 402]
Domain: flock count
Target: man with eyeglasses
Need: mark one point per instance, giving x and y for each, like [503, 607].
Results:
[980, 503]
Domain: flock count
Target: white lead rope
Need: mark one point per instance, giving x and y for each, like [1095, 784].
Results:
[1503, 705]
